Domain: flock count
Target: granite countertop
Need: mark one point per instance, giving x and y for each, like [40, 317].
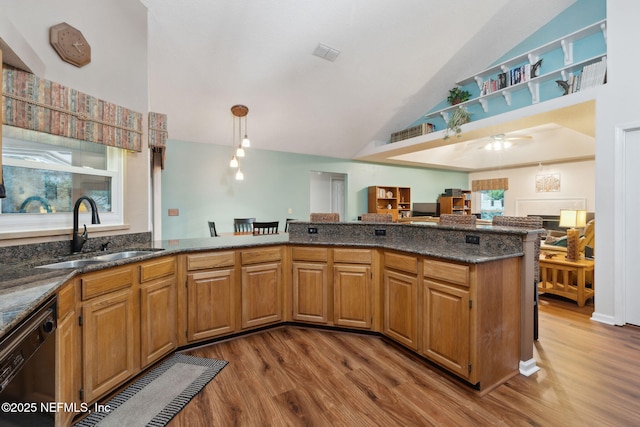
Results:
[23, 286]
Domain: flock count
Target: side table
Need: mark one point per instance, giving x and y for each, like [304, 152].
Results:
[566, 278]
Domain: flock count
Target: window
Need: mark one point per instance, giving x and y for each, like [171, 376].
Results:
[45, 174]
[491, 203]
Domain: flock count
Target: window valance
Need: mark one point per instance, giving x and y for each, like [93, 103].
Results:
[490, 184]
[158, 137]
[31, 102]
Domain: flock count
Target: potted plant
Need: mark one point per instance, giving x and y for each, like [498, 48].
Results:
[458, 95]
[459, 117]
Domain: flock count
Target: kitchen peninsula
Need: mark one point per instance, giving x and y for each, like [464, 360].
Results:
[463, 306]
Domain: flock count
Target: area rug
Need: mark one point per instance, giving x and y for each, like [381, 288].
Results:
[157, 397]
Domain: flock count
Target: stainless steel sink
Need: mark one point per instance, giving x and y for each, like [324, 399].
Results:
[76, 263]
[79, 263]
[121, 255]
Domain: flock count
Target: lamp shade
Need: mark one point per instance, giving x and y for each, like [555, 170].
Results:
[573, 218]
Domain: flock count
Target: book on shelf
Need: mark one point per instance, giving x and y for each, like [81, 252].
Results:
[412, 132]
[590, 76]
[506, 78]
[594, 74]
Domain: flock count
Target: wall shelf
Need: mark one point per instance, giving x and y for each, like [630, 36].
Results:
[565, 44]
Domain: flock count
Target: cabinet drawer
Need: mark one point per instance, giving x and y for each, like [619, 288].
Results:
[401, 262]
[261, 255]
[157, 268]
[352, 256]
[102, 282]
[210, 260]
[449, 272]
[310, 254]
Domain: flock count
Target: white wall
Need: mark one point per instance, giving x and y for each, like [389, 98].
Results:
[577, 181]
[117, 33]
[618, 105]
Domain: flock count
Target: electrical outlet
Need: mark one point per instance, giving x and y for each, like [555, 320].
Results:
[380, 232]
[312, 230]
[474, 240]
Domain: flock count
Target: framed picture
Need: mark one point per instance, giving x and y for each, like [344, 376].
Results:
[548, 183]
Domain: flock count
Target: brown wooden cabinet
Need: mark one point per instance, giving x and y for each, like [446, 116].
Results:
[400, 287]
[67, 365]
[262, 290]
[117, 322]
[212, 295]
[393, 200]
[446, 329]
[157, 309]
[310, 284]
[456, 204]
[352, 283]
[480, 345]
[128, 322]
[108, 342]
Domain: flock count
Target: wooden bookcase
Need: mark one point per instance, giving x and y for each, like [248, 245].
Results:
[393, 200]
[456, 204]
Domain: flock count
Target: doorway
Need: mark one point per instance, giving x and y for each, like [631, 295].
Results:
[327, 192]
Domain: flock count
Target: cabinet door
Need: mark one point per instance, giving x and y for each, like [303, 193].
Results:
[210, 304]
[67, 353]
[352, 295]
[108, 342]
[310, 292]
[446, 326]
[157, 320]
[400, 307]
[261, 294]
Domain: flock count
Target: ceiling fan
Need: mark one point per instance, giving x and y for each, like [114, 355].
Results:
[501, 141]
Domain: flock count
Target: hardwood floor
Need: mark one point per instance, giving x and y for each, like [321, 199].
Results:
[309, 377]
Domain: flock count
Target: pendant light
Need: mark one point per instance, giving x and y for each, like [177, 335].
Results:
[239, 175]
[239, 111]
[245, 141]
[234, 162]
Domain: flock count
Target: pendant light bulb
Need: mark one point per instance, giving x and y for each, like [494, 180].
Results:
[245, 142]
[240, 151]
[234, 162]
[239, 175]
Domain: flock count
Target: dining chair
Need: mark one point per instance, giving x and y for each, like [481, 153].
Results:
[243, 225]
[531, 223]
[458, 219]
[212, 229]
[376, 217]
[286, 224]
[270, 227]
[324, 217]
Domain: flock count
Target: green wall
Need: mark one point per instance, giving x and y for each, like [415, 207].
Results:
[197, 180]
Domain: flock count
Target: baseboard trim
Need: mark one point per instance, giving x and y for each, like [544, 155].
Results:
[528, 367]
[609, 320]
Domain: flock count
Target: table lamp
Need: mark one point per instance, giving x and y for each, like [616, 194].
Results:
[573, 219]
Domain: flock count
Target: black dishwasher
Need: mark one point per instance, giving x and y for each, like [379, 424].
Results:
[27, 369]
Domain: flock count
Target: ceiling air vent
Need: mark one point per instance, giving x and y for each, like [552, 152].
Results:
[326, 52]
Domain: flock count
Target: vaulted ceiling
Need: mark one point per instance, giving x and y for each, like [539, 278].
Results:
[397, 59]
